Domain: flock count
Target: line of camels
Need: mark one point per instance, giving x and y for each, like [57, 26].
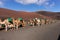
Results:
[20, 22]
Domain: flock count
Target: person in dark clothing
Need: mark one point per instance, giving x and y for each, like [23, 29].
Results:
[59, 37]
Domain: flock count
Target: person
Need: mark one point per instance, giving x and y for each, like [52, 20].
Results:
[42, 21]
[15, 22]
[59, 37]
[38, 22]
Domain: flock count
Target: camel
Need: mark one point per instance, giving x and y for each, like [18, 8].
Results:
[35, 22]
[9, 24]
[30, 22]
[14, 24]
[38, 22]
[42, 21]
[2, 23]
[50, 21]
[21, 22]
[47, 21]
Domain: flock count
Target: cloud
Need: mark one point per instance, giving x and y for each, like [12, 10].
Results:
[1, 3]
[26, 1]
[39, 2]
[49, 5]
[52, 5]
[45, 3]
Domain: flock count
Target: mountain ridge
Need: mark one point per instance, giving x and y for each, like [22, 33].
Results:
[4, 13]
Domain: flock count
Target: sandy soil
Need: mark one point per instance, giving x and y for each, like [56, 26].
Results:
[44, 32]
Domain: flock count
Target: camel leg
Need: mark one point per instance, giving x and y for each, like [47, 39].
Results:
[6, 28]
[17, 27]
[33, 24]
[38, 24]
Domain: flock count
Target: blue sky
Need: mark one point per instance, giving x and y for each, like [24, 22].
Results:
[31, 5]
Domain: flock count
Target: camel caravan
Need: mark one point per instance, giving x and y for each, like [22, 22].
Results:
[20, 22]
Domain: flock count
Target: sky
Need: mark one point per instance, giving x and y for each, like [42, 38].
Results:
[31, 5]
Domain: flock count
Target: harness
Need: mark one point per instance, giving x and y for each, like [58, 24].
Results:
[10, 20]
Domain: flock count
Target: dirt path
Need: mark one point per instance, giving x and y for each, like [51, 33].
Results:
[44, 32]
